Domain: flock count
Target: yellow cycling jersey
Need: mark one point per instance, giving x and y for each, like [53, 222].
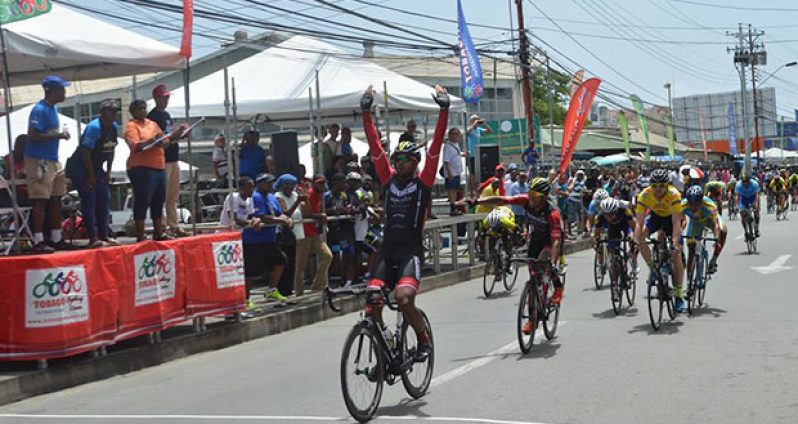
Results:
[506, 219]
[777, 184]
[793, 181]
[666, 206]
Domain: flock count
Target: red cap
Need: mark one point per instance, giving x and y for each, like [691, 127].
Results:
[499, 167]
[160, 91]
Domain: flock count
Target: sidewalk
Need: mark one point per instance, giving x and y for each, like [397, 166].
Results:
[21, 380]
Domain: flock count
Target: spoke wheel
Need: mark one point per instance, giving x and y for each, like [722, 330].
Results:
[362, 373]
[631, 286]
[418, 377]
[552, 321]
[656, 306]
[598, 270]
[616, 297]
[509, 280]
[489, 277]
[527, 311]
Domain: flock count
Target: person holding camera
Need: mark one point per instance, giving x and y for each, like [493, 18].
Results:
[476, 127]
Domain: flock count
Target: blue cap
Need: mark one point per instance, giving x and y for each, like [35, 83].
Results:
[54, 81]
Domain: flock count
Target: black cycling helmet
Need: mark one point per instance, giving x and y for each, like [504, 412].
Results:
[660, 176]
[540, 185]
[695, 194]
[407, 148]
[745, 178]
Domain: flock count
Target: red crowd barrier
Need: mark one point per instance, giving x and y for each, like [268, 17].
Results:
[60, 305]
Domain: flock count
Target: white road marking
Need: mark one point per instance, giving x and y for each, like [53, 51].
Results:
[481, 362]
[259, 418]
[776, 266]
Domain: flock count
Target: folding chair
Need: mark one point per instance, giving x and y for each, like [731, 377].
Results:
[13, 229]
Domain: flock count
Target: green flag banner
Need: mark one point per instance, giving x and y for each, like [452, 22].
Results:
[536, 127]
[511, 137]
[641, 116]
[671, 139]
[624, 124]
[18, 10]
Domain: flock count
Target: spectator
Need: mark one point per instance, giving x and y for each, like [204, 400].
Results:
[519, 187]
[725, 175]
[303, 182]
[251, 156]
[410, 132]
[291, 203]
[476, 127]
[498, 173]
[453, 167]
[561, 191]
[329, 147]
[46, 181]
[237, 208]
[19, 169]
[576, 190]
[312, 209]
[160, 95]
[510, 177]
[530, 157]
[268, 164]
[85, 169]
[367, 167]
[261, 252]
[361, 200]
[341, 235]
[345, 147]
[495, 187]
[219, 158]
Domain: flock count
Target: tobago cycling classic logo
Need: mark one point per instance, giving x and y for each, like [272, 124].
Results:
[229, 263]
[155, 276]
[56, 296]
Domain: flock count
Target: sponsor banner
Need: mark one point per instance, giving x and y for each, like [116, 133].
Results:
[575, 119]
[222, 290]
[470, 68]
[511, 137]
[155, 276]
[188, 28]
[56, 296]
[641, 116]
[18, 10]
[624, 124]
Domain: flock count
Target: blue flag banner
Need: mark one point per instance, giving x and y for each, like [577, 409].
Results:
[730, 117]
[796, 114]
[470, 69]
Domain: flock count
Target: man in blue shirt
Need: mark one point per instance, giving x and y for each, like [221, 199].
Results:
[46, 181]
[747, 192]
[261, 252]
[476, 127]
[530, 157]
[252, 156]
[85, 169]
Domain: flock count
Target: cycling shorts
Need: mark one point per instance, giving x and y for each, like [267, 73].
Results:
[656, 223]
[747, 202]
[364, 247]
[397, 263]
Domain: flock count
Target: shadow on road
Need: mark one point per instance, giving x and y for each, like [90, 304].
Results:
[667, 328]
[542, 350]
[705, 310]
[498, 295]
[610, 314]
[745, 253]
[407, 406]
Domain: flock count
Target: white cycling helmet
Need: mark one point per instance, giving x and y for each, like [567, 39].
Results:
[600, 195]
[609, 205]
[493, 219]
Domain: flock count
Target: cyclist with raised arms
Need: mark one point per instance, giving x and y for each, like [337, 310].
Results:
[747, 192]
[664, 202]
[408, 196]
[703, 213]
[545, 229]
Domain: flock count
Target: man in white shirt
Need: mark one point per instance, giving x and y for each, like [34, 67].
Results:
[237, 208]
[453, 167]
[219, 158]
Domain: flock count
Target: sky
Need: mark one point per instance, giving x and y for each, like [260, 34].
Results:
[635, 46]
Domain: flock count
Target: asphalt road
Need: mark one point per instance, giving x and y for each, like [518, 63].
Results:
[736, 361]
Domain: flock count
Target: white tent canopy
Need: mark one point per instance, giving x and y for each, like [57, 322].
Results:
[79, 47]
[775, 154]
[274, 83]
[19, 125]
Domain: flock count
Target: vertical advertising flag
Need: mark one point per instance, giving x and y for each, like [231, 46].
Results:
[470, 69]
[671, 139]
[188, 28]
[578, 112]
[703, 135]
[537, 131]
[732, 120]
[624, 124]
[641, 116]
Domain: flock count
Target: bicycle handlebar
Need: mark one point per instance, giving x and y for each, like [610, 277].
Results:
[356, 290]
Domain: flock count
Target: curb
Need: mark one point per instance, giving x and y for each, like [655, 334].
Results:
[83, 370]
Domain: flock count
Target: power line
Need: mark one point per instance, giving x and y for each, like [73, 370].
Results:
[723, 6]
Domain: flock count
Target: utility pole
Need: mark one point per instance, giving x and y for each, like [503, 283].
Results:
[742, 57]
[525, 66]
[550, 93]
[668, 86]
[758, 56]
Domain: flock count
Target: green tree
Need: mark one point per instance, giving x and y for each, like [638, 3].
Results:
[540, 99]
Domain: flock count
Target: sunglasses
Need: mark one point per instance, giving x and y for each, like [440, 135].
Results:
[535, 194]
[659, 185]
[403, 158]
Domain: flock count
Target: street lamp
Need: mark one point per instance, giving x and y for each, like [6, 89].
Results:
[786, 65]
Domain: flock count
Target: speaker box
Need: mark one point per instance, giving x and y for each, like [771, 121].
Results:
[285, 152]
[488, 159]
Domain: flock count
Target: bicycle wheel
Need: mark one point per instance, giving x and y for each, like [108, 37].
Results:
[598, 271]
[552, 321]
[616, 297]
[527, 311]
[509, 280]
[362, 372]
[631, 289]
[692, 286]
[669, 299]
[656, 305]
[489, 276]
[418, 377]
[701, 292]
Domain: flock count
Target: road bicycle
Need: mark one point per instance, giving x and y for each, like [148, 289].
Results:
[732, 210]
[748, 227]
[601, 264]
[624, 282]
[698, 275]
[373, 355]
[535, 304]
[781, 206]
[794, 200]
[500, 266]
[661, 294]
[771, 203]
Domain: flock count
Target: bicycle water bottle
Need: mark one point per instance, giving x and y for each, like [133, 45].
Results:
[65, 129]
[387, 335]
